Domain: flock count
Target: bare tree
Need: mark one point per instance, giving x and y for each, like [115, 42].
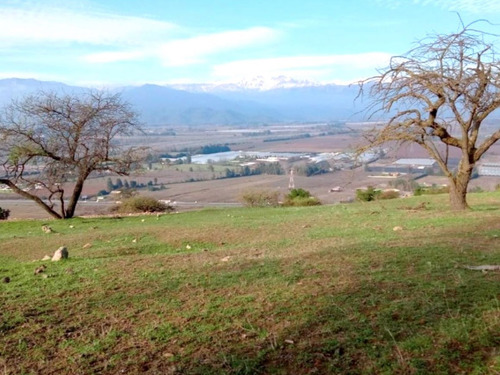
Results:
[439, 95]
[54, 142]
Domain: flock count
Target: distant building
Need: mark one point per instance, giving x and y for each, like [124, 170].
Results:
[413, 165]
[417, 163]
[489, 169]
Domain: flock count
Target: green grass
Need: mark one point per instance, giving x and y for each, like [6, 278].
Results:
[300, 290]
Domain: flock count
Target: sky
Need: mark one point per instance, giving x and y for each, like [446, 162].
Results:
[109, 43]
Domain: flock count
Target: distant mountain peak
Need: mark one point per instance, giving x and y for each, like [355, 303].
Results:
[262, 83]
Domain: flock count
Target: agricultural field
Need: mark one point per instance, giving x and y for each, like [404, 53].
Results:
[375, 288]
[195, 186]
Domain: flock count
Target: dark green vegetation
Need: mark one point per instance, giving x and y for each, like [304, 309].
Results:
[300, 197]
[141, 204]
[298, 290]
[4, 213]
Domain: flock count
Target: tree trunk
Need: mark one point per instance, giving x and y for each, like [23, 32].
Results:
[458, 189]
[77, 191]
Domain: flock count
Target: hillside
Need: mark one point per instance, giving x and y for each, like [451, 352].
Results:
[329, 289]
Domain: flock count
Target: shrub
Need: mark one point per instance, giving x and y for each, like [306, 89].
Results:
[4, 213]
[260, 198]
[142, 204]
[300, 197]
[300, 201]
[367, 195]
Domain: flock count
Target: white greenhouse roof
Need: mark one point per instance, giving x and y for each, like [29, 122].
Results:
[416, 161]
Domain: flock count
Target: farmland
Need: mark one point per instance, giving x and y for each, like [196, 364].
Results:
[194, 186]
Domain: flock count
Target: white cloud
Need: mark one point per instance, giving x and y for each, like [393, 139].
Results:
[317, 67]
[42, 24]
[193, 50]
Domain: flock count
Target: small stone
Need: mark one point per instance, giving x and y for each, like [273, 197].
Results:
[289, 342]
[188, 247]
[397, 228]
[225, 259]
[71, 226]
[168, 355]
[47, 229]
[6, 280]
[40, 269]
[88, 245]
[47, 257]
[61, 253]
[134, 240]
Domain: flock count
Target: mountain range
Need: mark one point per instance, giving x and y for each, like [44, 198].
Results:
[247, 103]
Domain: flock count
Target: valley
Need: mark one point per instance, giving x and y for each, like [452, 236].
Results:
[196, 185]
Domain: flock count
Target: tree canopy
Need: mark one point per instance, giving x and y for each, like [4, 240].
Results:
[439, 95]
[51, 143]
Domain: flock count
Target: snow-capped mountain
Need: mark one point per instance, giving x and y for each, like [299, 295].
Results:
[272, 83]
[245, 103]
[259, 83]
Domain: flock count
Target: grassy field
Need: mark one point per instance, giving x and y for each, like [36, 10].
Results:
[329, 289]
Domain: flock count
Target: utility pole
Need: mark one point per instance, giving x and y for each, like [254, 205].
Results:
[291, 183]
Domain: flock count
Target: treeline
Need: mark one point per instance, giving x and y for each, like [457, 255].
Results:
[125, 186]
[204, 150]
[271, 168]
[313, 169]
[289, 138]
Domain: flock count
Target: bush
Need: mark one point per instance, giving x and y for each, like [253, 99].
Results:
[260, 198]
[4, 213]
[300, 197]
[142, 204]
[300, 201]
[368, 195]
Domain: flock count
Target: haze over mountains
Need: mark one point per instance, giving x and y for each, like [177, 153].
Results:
[247, 103]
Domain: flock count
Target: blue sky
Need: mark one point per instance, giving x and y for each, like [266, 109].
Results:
[122, 42]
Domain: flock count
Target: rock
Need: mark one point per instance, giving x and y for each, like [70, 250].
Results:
[88, 245]
[397, 228]
[40, 269]
[225, 259]
[6, 280]
[61, 253]
[47, 229]
[47, 257]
